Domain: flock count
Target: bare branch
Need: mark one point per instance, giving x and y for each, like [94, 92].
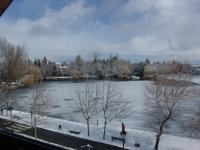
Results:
[165, 95]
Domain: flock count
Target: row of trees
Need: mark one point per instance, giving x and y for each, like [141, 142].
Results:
[79, 68]
[104, 99]
[112, 67]
[100, 68]
[12, 61]
[15, 65]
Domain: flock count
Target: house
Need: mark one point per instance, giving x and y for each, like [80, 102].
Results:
[62, 70]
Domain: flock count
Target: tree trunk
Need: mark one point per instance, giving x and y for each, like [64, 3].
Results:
[104, 129]
[158, 138]
[11, 115]
[35, 124]
[88, 127]
[161, 130]
[31, 112]
[34, 118]
[35, 130]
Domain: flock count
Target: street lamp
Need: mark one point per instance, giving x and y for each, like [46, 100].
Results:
[123, 134]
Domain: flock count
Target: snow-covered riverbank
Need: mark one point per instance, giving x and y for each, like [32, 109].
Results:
[144, 138]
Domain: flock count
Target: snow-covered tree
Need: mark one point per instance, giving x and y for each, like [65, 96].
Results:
[12, 60]
[87, 102]
[150, 71]
[112, 104]
[123, 69]
[139, 70]
[194, 123]
[164, 98]
[40, 102]
[75, 74]
[78, 62]
[8, 99]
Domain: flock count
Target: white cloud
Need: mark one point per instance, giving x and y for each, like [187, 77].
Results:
[137, 27]
[148, 45]
[48, 34]
[137, 6]
[66, 15]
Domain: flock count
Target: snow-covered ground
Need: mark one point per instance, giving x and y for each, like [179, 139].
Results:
[144, 138]
[196, 79]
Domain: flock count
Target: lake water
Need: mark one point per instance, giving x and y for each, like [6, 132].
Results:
[63, 104]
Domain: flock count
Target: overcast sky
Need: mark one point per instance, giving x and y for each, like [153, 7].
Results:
[133, 29]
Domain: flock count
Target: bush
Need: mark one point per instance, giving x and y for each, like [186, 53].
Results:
[28, 80]
[35, 71]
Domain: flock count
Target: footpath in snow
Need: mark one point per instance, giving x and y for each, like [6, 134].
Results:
[144, 138]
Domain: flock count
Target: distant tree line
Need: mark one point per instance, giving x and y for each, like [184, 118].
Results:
[16, 66]
[112, 68]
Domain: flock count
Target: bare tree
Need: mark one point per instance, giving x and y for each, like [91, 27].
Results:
[12, 60]
[11, 102]
[40, 101]
[194, 123]
[8, 99]
[87, 102]
[164, 98]
[3, 95]
[112, 104]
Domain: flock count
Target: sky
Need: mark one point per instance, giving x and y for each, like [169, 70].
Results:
[133, 29]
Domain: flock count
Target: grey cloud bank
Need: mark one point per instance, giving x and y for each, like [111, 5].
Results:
[141, 28]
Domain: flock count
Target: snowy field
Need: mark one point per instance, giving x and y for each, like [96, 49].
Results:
[144, 138]
[63, 105]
